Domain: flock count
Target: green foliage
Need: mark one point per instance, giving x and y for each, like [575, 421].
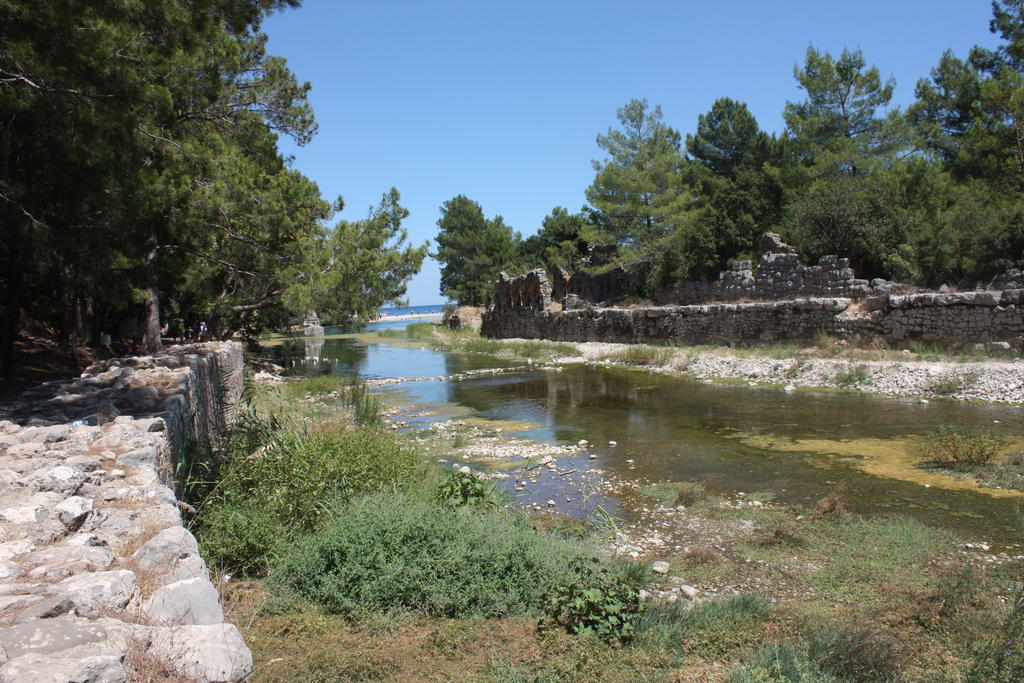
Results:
[838, 652]
[472, 251]
[638, 192]
[639, 354]
[466, 488]
[960, 448]
[398, 553]
[781, 663]
[856, 652]
[855, 376]
[951, 382]
[676, 492]
[710, 627]
[597, 601]
[358, 266]
[561, 241]
[1002, 659]
[281, 478]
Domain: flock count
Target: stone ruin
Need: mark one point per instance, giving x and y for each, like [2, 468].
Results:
[781, 275]
[608, 287]
[99, 578]
[311, 326]
[530, 291]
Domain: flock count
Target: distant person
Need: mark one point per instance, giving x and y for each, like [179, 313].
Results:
[105, 342]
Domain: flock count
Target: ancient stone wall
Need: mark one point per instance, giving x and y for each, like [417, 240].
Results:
[965, 317]
[530, 291]
[100, 579]
[609, 286]
[781, 275]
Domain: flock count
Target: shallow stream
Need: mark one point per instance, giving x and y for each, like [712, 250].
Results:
[795, 446]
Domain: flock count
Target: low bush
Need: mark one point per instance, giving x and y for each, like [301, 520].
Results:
[855, 376]
[598, 601]
[685, 493]
[393, 552]
[281, 480]
[960, 448]
[712, 627]
[639, 354]
[839, 652]
[781, 663]
[466, 488]
[855, 653]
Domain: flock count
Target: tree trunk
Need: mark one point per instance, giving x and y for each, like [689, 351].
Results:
[151, 328]
[12, 304]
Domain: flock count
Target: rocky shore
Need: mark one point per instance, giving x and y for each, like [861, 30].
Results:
[990, 381]
[100, 579]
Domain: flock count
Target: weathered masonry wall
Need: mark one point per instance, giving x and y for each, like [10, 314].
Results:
[972, 317]
[99, 579]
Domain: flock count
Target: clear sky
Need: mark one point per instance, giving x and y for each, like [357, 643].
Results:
[502, 101]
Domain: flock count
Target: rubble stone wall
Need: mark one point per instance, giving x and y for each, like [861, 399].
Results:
[99, 579]
[966, 317]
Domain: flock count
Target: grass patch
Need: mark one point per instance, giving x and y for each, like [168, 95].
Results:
[951, 382]
[279, 477]
[960, 448]
[710, 629]
[641, 354]
[394, 552]
[684, 493]
[852, 377]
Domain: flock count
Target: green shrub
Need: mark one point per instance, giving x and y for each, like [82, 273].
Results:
[676, 492]
[960, 448]
[781, 663]
[1003, 658]
[466, 488]
[852, 377]
[392, 552]
[711, 627]
[275, 485]
[639, 354]
[951, 382]
[597, 601]
[854, 652]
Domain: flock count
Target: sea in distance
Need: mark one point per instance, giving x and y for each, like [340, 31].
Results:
[411, 310]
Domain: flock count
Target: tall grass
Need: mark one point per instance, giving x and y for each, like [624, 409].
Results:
[641, 354]
[280, 477]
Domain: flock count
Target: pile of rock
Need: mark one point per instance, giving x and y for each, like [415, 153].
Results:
[99, 580]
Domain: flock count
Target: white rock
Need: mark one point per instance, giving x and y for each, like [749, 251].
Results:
[191, 601]
[592, 457]
[660, 567]
[582, 442]
[25, 514]
[73, 511]
[789, 387]
[14, 548]
[77, 664]
[60, 479]
[613, 443]
[214, 652]
[94, 592]
[166, 548]
[689, 591]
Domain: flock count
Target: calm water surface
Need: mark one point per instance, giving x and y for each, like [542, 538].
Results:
[800, 446]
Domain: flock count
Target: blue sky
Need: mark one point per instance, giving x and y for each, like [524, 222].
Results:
[502, 101]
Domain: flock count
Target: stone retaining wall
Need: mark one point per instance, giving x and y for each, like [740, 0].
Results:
[99, 580]
[964, 317]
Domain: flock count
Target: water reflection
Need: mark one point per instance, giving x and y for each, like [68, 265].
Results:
[731, 437]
